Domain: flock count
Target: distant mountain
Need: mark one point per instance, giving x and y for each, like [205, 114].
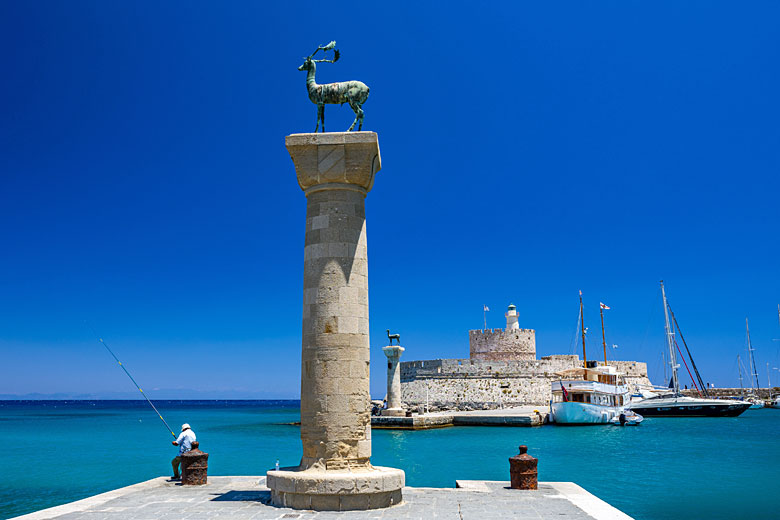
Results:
[163, 393]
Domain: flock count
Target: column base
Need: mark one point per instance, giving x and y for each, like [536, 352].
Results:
[394, 412]
[323, 490]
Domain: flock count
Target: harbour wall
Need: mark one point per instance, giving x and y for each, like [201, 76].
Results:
[722, 393]
[474, 384]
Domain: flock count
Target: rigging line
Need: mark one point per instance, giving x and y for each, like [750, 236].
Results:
[574, 336]
[133, 380]
[686, 368]
[651, 315]
[693, 363]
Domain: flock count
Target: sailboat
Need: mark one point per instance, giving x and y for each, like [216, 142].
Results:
[753, 398]
[673, 403]
[774, 401]
[592, 394]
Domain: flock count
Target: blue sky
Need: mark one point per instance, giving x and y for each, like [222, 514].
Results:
[530, 150]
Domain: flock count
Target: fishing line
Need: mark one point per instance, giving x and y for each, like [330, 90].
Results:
[133, 380]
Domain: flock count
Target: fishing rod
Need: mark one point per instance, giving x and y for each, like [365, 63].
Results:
[133, 380]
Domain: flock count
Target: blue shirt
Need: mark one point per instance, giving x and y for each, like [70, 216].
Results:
[185, 440]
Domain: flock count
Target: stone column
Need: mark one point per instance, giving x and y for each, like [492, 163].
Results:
[393, 353]
[336, 171]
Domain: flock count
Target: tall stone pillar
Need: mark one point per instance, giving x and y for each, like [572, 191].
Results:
[335, 171]
[393, 353]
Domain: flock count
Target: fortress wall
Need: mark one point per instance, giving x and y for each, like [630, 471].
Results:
[502, 344]
[463, 384]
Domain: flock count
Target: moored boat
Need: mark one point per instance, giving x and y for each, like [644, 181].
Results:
[673, 403]
[627, 418]
[588, 396]
[592, 394]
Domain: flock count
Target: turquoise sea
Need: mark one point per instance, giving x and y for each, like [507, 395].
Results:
[59, 451]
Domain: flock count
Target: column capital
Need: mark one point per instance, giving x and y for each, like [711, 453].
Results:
[393, 350]
[335, 160]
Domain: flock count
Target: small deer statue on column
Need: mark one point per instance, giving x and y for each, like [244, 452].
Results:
[353, 92]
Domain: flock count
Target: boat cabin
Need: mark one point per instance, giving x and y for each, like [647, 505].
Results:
[598, 385]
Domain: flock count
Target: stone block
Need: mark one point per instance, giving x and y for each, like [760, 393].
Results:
[298, 501]
[319, 222]
[344, 157]
[385, 499]
[355, 502]
[393, 480]
[364, 447]
[348, 325]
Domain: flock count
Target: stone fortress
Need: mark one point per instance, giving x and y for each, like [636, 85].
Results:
[501, 371]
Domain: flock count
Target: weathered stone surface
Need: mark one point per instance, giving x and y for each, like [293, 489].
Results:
[337, 157]
[502, 344]
[330, 490]
[394, 407]
[244, 498]
[336, 171]
[469, 384]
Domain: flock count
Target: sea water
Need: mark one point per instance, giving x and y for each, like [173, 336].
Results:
[54, 452]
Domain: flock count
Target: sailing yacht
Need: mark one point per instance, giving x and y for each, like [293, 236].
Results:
[592, 394]
[754, 400]
[673, 403]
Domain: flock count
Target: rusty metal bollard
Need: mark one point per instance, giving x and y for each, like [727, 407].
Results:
[194, 466]
[522, 470]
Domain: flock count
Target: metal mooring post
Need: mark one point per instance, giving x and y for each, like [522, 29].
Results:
[522, 470]
[194, 466]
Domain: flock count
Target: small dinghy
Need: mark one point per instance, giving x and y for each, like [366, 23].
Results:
[627, 418]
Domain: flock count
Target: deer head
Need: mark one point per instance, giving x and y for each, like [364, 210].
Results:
[309, 61]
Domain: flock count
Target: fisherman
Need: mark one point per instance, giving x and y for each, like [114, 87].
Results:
[184, 442]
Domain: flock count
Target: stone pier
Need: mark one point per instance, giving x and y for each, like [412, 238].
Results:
[336, 171]
[394, 406]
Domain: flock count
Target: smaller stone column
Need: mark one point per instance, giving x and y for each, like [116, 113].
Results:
[393, 353]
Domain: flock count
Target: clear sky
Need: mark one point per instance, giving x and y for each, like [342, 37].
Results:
[530, 150]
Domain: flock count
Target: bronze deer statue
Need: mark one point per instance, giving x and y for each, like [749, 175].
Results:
[392, 337]
[353, 92]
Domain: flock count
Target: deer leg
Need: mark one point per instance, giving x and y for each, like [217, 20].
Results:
[322, 117]
[358, 112]
[360, 126]
[319, 115]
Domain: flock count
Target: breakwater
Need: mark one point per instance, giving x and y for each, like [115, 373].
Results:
[723, 393]
[475, 384]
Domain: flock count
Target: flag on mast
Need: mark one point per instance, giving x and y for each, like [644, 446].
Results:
[565, 393]
[485, 308]
[603, 306]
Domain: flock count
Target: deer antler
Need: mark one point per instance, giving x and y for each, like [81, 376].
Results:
[334, 60]
[326, 48]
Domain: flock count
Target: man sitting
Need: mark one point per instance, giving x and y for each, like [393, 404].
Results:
[184, 442]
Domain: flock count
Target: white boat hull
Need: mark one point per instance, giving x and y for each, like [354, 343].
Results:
[583, 413]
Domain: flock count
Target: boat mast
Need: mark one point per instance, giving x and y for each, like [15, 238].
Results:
[663, 363]
[670, 341]
[739, 368]
[603, 336]
[582, 325]
[754, 374]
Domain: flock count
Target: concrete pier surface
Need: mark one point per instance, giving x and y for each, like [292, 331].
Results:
[515, 416]
[245, 498]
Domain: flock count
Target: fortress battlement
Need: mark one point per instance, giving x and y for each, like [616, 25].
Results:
[462, 384]
[487, 332]
[502, 344]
